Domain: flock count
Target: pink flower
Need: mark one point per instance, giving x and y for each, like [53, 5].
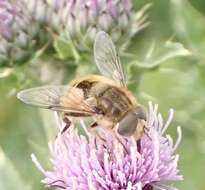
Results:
[84, 163]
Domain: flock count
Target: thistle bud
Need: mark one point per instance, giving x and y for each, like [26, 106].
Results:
[27, 27]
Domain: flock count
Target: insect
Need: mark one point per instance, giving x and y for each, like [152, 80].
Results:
[104, 97]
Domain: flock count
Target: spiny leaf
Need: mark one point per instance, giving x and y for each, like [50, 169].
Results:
[156, 56]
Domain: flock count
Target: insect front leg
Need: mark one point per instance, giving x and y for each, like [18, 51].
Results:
[94, 130]
[118, 139]
[95, 124]
[140, 129]
[67, 122]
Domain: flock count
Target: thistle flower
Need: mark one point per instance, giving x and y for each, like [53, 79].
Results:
[21, 34]
[29, 26]
[90, 163]
[81, 20]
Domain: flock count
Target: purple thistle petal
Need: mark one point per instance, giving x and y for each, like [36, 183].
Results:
[90, 163]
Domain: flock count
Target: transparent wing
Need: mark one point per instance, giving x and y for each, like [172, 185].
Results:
[57, 98]
[107, 59]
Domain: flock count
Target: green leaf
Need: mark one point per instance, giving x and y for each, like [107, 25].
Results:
[134, 77]
[65, 49]
[156, 56]
[188, 24]
[193, 174]
[199, 5]
[9, 176]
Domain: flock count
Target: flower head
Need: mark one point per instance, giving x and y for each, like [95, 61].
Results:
[29, 26]
[83, 163]
[21, 32]
[83, 19]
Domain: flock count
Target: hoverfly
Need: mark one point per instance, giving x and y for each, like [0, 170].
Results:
[105, 98]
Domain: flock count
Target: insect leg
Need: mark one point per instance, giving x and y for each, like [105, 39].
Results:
[68, 124]
[68, 121]
[146, 129]
[138, 145]
[93, 129]
[115, 136]
[95, 124]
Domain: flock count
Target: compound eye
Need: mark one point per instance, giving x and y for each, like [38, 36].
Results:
[140, 113]
[127, 126]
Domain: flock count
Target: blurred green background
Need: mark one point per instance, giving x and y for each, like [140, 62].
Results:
[178, 83]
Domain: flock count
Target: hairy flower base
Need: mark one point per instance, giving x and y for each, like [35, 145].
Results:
[83, 163]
